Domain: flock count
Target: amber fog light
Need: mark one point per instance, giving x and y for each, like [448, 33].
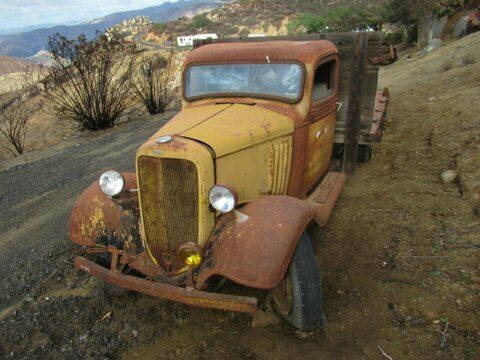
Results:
[223, 198]
[190, 254]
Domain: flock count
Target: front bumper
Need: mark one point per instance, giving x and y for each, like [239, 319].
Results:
[185, 295]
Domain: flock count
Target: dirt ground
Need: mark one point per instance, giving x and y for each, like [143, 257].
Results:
[399, 259]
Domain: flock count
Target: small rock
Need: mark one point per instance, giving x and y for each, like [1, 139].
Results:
[429, 315]
[434, 44]
[476, 210]
[449, 176]
[83, 338]
[264, 318]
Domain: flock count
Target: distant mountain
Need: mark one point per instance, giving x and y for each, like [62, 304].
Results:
[43, 57]
[168, 11]
[29, 43]
[24, 29]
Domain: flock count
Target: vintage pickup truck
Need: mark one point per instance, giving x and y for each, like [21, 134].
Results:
[226, 189]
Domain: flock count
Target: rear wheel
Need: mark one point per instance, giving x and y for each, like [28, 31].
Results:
[298, 297]
[364, 153]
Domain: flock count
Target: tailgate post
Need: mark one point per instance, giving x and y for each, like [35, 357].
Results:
[359, 55]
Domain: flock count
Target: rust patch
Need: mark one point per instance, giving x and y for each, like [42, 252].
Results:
[97, 220]
[266, 127]
[256, 251]
[253, 246]
[184, 295]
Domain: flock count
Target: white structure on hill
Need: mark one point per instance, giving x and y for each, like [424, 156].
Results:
[188, 40]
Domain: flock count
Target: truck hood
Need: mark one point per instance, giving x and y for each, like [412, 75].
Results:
[228, 128]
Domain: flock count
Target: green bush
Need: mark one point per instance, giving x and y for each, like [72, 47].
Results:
[410, 11]
[249, 22]
[158, 28]
[231, 30]
[243, 33]
[339, 19]
[394, 38]
[361, 17]
[199, 22]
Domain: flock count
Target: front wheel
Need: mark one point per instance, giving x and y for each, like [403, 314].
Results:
[298, 297]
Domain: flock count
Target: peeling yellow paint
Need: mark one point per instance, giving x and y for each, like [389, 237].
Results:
[94, 222]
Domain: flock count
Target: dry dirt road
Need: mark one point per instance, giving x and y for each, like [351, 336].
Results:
[399, 260]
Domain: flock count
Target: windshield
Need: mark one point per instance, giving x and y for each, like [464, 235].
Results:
[258, 80]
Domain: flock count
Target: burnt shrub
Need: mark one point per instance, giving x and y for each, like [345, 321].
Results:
[154, 83]
[89, 81]
[13, 127]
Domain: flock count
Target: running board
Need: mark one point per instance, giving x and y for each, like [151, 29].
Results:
[325, 196]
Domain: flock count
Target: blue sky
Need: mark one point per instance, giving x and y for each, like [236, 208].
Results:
[20, 13]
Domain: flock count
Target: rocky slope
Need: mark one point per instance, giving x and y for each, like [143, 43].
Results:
[250, 16]
[10, 65]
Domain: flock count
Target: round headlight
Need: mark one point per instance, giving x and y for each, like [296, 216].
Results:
[222, 198]
[111, 183]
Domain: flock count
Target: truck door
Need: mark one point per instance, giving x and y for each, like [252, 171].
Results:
[321, 125]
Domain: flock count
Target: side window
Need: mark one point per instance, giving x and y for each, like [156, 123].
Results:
[323, 83]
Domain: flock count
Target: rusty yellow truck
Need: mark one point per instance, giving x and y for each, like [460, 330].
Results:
[225, 190]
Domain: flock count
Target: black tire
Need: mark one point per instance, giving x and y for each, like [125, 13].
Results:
[364, 153]
[306, 302]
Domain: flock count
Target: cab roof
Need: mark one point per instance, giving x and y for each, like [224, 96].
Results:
[302, 51]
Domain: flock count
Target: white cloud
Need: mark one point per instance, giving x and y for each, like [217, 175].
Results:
[19, 13]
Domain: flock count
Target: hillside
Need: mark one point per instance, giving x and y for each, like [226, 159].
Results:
[12, 76]
[29, 43]
[442, 96]
[249, 16]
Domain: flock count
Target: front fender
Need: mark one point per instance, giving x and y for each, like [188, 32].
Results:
[98, 220]
[253, 246]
